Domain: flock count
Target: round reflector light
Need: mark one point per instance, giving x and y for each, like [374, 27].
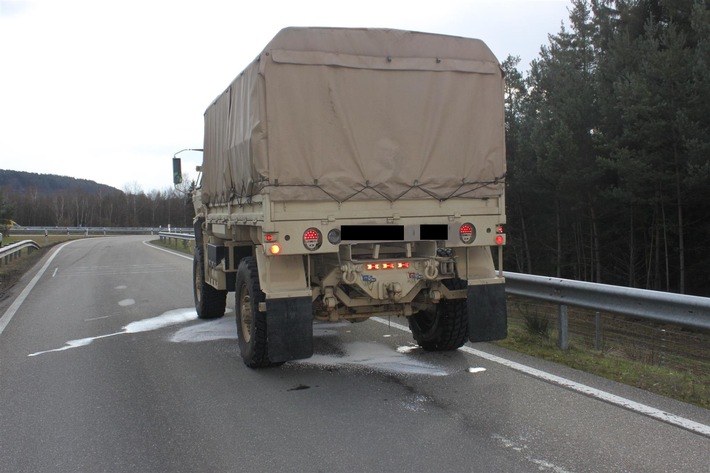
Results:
[334, 236]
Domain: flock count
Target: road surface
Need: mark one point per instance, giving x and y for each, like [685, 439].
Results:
[104, 367]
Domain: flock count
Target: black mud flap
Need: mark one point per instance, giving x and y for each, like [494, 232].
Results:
[289, 328]
[487, 313]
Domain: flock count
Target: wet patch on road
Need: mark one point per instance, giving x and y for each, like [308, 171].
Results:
[170, 318]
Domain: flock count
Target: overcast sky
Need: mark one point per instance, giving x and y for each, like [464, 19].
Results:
[109, 90]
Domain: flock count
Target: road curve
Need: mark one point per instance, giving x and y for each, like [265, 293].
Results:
[104, 367]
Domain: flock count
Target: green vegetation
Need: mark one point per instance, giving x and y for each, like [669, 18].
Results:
[678, 370]
[47, 200]
[608, 139]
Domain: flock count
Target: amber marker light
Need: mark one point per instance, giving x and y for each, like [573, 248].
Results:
[275, 249]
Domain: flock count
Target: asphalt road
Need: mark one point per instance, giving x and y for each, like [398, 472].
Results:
[104, 367]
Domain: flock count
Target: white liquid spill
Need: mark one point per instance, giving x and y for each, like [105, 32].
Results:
[222, 329]
[167, 319]
[172, 317]
[374, 356]
[405, 350]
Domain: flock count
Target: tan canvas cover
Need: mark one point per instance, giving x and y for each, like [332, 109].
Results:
[359, 114]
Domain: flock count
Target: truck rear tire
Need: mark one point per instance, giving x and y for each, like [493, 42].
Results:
[251, 323]
[444, 328]
[210, 303]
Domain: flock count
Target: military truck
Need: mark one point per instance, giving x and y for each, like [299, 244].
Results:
[352, 173]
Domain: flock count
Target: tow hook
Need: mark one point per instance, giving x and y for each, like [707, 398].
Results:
[431, 269]
[350, 272]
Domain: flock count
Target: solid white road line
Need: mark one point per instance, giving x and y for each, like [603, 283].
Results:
[667, 417]
[10, 312]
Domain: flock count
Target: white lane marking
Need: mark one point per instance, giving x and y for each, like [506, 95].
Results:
[97, 318]
[172, 317]
[649, 411]
[126, 302]
[55, 272]
[522, 448]
[10, 312]
[155, 247]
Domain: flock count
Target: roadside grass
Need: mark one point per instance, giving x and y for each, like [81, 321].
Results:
[183, 246]
[675, 375]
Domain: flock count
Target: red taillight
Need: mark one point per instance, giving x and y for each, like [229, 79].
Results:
[312, 239]
[467, 233]
[500, 237]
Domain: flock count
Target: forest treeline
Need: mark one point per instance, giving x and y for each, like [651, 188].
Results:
[608, 142]
[31, 199]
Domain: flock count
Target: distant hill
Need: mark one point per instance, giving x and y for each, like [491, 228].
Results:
[48, 184]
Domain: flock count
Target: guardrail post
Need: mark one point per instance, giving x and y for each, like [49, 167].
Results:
[563, 328]
[597, 331]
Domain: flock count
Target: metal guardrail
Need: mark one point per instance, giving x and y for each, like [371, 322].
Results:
[679, 309]
[184, 237]
[13, 251]
[93, 230]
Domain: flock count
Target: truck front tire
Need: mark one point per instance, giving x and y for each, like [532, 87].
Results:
[446, 326]
[210, 303]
